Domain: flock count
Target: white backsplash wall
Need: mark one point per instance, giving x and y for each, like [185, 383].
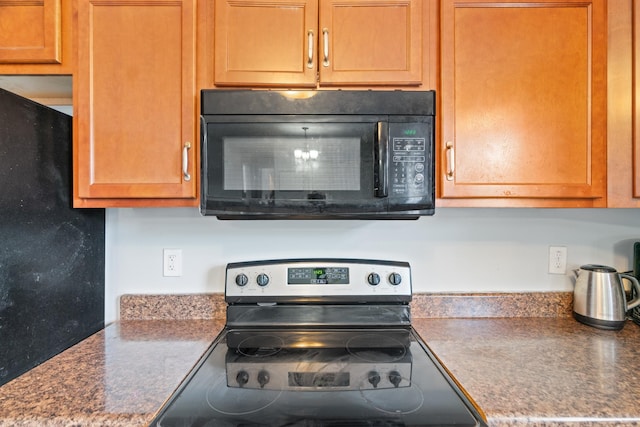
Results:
[456, 250]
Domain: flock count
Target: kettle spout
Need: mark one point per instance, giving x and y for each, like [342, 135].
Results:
[576, 271]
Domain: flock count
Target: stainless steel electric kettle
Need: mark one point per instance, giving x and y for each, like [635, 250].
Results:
[599, 298]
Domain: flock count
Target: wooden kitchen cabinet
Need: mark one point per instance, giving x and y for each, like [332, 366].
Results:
[36, 37]
[260, 43]
[623, 149]
[636, 99]
[305, 43]
[523, 103]
[135, 104]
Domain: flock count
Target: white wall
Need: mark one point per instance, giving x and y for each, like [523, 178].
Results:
[475, 250]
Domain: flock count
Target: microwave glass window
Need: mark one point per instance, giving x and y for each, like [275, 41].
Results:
[291, 163]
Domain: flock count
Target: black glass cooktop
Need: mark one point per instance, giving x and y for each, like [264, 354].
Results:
[340, 377]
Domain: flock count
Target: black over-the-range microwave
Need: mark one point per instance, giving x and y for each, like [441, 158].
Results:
[341, 154]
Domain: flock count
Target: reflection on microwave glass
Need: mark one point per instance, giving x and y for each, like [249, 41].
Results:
[291, 164]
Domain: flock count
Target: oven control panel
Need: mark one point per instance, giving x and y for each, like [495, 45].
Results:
[328, 279]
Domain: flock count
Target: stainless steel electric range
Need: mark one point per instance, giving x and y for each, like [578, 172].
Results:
[318, 342]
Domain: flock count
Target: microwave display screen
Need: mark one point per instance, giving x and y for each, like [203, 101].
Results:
[281, 163]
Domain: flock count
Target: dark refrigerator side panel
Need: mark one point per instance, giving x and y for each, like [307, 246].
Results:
[51, 256]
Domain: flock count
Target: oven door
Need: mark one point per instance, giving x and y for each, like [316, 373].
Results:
[283, 166]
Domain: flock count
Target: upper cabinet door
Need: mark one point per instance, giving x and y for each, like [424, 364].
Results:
[306, 43]
[266, 42]
[36, 36]
[623, 89]
[135, 103]
[30, 31]
[636, 99]
[370, 42]
[524, 102]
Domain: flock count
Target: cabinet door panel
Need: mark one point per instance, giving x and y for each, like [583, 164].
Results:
[265, 42]
[371, 42]
[523, 93]
[136, 96]
[635, 22]
[623, 88]
[30, 31]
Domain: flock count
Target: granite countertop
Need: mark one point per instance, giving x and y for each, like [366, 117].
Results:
[541, 371]
[119, 376]
[530, 371]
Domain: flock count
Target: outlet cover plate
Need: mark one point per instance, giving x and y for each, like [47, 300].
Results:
[172, 262]
[557, 259]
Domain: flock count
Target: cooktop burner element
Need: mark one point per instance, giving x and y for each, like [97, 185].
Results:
[224, 401]
[260, 345]
[376, 347]
[289, 360]
[412, 402]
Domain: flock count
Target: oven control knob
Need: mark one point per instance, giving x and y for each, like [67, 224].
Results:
[242, 378]
[374, 378]
[373, 279]
[263, 378]
[262, 279]
[395, 378]
[242, 279]
[395, 279]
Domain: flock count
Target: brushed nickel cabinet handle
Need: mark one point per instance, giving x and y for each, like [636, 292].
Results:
[451, 161]
[325, 36]
[185, 161]
[310, 49]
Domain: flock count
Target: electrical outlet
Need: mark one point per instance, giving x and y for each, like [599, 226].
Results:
[172, 262]
[557, 259]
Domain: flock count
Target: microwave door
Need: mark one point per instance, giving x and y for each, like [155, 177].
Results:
[291, 167]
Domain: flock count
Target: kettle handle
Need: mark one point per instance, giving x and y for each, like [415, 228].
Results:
[636, 301]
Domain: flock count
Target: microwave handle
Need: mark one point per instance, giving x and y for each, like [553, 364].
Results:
[382, 150]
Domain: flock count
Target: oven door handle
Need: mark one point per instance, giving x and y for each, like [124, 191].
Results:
[381, 173]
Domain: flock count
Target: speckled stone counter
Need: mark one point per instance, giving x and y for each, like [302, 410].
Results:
[439, 305]
[521, 371]
[119, 376]
[542, 371]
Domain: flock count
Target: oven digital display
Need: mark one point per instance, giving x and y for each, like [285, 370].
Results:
[319, 379]
[318, 276]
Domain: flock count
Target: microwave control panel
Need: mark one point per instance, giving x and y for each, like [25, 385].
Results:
[410, 148]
